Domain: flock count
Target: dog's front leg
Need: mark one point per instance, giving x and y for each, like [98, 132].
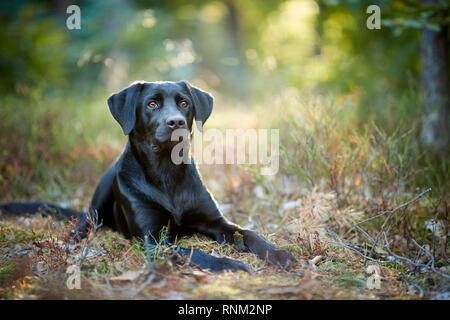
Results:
[265, 250]
[224, 230]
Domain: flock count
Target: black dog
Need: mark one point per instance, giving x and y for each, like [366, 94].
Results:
[144, 190]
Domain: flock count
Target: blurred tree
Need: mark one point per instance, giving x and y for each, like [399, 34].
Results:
[32, 50]
[60, 6]
[432, 19]
[435, 85]
[254, 49]
[233, 26]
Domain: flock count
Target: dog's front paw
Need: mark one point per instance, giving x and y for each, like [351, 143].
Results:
[280, 257]
[267, 251]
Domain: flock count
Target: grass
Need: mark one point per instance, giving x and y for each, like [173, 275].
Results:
[335, 173]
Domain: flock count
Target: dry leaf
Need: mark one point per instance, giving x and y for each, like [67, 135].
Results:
[315, 260]
[128, 276]
[200, 276]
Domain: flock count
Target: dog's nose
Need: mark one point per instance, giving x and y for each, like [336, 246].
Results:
[176, 122]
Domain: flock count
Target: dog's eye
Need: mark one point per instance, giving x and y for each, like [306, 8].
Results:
[152, 104]
[184, 104]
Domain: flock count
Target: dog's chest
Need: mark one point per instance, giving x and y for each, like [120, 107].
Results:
[183, 201]
[177, 199]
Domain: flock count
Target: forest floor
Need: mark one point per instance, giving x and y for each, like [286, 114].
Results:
[342, 203]
[35, 260]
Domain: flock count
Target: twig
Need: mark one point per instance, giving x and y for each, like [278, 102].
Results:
[365, 234]
[173, 254]
[396, 257]
[391, 213]
[92, 219]
[419, 288]
[432, 267]
[404, 205]
[421, 265]
[426, 252]
[415, 285]
[145, 284]
[356, 249]
[147, 251]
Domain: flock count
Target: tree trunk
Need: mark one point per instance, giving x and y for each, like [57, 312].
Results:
[233, 27]
[239, 74]
[60, 6]
[435, 88]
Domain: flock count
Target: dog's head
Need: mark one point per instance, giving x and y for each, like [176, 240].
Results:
[153, 110]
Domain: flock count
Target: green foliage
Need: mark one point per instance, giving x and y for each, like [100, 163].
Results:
[393, 265]
[321, 142]
[158, 250]
[6, 273]
[305, 43]
[103, 268]
[345, 98]
[412, 15]
[32, 50]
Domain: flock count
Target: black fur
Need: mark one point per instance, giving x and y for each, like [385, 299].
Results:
[144, 190]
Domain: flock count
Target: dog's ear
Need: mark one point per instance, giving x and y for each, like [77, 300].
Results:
[203, 104]
[123, 106]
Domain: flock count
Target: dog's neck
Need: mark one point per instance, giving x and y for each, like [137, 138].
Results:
[156, 163]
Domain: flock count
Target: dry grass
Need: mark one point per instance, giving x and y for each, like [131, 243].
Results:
[33, 249]
[327, 205]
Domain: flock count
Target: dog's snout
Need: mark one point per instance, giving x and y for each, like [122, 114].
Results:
[176, 122]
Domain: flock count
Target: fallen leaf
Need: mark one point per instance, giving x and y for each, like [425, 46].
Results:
[315, 260]
[128, 276]
[200, 276]
[358, 181]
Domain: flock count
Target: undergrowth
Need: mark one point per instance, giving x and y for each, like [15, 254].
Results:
[337, 203]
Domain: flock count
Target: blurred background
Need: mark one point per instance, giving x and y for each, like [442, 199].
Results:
[363, 115]
[360, 112]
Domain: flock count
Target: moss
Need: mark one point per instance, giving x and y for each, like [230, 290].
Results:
[112, 241]
[13, 233]
[6, 273]
[138, 250]
[393, 266]
[103, 268]
[239, 241]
